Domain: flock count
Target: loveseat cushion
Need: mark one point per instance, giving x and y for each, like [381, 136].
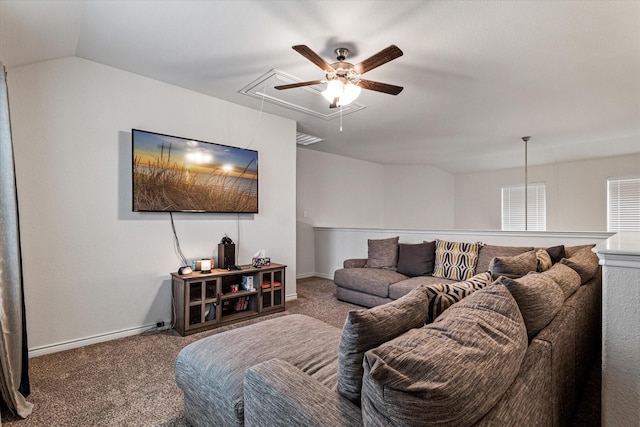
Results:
[456, 260]
[382, 253]
[488, 252]
[539, 299]
[366, 329]
[514, 266]
[374, 281]
[433, 375]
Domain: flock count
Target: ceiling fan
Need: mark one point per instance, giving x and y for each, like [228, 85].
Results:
[343, 78]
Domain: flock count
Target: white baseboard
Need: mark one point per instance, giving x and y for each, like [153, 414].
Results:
[305, 275]
[81, 342]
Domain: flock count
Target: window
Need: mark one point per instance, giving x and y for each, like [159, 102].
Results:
[623, 204]
[513, 208]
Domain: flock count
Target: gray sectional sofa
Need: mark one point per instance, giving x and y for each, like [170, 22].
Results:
[512, 351]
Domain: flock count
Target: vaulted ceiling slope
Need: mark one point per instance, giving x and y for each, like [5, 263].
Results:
[477, 76]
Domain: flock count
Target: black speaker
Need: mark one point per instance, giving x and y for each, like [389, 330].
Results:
[226, 255]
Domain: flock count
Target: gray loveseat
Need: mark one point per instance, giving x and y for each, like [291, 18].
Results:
[513, 352]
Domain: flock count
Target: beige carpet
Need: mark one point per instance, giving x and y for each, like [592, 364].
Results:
[131, 381]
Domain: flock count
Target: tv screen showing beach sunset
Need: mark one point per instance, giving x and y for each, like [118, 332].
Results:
[173, 174]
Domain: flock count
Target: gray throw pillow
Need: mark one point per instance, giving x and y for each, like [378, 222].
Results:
[450, 372]
[383, 253]
[514, 266]
[416, 259]
[365, 329]
[539, 299]
[489, 252]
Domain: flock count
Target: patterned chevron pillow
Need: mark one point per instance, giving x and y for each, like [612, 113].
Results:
[456, 260]
[443, 295]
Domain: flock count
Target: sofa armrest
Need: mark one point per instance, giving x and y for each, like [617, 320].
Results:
[354, 263]
[276, 393]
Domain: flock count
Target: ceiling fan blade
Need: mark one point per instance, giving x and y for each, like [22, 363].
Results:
[313, 57]
[380, 87]
[292, 85]
[385, 55]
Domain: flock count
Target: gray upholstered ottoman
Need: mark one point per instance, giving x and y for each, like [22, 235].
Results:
[210, 371]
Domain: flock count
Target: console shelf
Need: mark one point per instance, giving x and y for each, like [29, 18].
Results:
[210, 300]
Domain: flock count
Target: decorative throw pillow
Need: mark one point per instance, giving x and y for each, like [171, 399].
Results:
[432, 374]
[365, 329]
[443, 295]
[416, 259]
[584, 262]
[455, 260]
[383, 253]
[544, 260]
[556, 253]
[514, 266]
[539, 299]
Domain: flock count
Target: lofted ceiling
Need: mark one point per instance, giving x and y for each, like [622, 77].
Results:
[477, 76]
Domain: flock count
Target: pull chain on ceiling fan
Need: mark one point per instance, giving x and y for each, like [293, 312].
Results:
[343, 79]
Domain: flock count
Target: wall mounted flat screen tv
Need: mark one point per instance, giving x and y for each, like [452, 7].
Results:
[173, 174]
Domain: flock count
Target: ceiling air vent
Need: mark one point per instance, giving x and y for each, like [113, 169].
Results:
[304, 139]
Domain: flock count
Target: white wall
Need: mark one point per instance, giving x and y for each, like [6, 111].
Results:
[417, 197]
[576, 193]
[336, 191]
[94, 270]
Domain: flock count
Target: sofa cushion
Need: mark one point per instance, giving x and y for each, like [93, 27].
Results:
[443, 295]
[488, 252]
[382, 253]
[366, 329]
[539, 299]
[514, 266]
[373, 281]
[544, 260]
[416, 259]
[455, 260]
[450, 372]
[566, 278]
[584, 262]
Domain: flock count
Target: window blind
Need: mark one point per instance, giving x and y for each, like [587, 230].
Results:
[513, 218]
[623, 204]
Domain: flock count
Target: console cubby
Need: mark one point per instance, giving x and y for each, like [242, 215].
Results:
[210, 300]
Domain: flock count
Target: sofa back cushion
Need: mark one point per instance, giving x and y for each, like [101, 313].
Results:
[443, 295]
[456, 260]
[488, 252]
[539, 299]
[367, 328]
[416, 259]
[450, 372]
[382, 253]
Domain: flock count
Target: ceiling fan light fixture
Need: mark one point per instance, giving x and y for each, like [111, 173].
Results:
[344, 93]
